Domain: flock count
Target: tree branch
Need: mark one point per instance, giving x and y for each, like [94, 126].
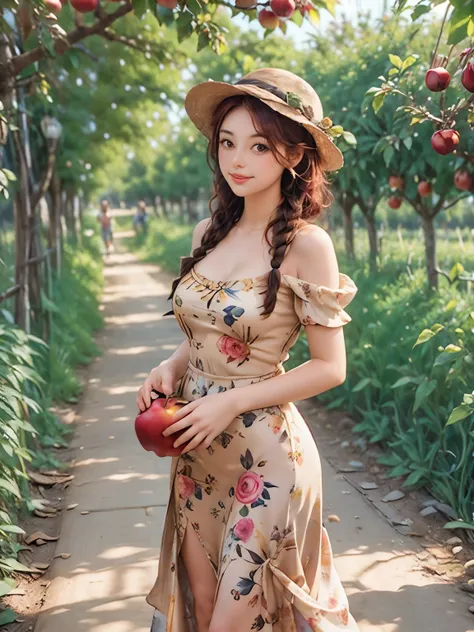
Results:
[17, 64]
[86, 51]
[410, 202]
[458, 199]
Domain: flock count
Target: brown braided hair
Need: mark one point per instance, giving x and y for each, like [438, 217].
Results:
[304, 190]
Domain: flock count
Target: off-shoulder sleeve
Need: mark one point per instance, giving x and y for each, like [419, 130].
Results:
[321, 305]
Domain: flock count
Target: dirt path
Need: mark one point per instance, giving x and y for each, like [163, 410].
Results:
[114, 547]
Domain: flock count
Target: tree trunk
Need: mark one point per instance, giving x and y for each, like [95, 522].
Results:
[34, 271]
[69, 215]
[23, 227]
[54, 233]
[430, 250]
[348, 229]
[77, 212]
[22, 248]
[373, 246]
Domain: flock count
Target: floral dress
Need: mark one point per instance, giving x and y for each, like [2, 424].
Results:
[254, 496]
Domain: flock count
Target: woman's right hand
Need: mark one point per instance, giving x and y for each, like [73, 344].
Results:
[162, 378]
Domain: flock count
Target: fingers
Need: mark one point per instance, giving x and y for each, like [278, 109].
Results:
[187, 436]
[185, 410]
[194, 443]
[140, 400]
[178, 425]
[167, 387]
[144, 395]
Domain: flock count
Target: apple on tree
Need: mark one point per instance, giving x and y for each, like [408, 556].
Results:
[268, 19]
[168, 4]
[283, 8]
[425, 188]
[463, 180]
[467, 78]
[54, 6]
[396, 182]
[394, 202]
[437, 79]
[445, 141]
[84, 6]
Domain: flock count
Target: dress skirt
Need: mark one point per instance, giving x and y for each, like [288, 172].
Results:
[254, 499]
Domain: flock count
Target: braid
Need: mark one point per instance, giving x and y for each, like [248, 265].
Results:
[284, 225]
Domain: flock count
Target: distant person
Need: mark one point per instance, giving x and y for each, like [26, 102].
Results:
[105, 220]
[140, 219]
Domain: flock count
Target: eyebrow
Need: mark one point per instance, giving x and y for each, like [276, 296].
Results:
[227, 131]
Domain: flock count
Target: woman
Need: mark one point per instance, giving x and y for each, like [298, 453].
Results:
[243, 533]
[140, 218]
[106, 228]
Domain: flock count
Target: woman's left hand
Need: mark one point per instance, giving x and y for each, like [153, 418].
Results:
[206, 417]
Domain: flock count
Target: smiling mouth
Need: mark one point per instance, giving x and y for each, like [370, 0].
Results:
[238, 178]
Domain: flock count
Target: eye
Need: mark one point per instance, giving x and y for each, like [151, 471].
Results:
[261, 148]
[225, 140]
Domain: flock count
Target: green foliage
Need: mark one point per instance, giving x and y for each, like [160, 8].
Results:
[410, 356]
[33, 376]
[165, 243]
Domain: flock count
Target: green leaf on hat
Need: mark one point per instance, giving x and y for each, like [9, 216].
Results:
[293, 100]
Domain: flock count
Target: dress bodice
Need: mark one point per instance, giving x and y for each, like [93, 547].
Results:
[229, 337]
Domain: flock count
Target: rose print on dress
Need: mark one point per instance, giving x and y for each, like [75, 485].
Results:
[251, 489]
[185, 486]
[244, 529]
[234, 349]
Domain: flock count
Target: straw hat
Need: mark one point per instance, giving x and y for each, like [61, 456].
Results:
[281, 90]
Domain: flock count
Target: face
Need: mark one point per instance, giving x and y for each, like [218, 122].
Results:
[243, 152]
[104, 205]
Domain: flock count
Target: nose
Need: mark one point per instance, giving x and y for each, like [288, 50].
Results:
[238, 159]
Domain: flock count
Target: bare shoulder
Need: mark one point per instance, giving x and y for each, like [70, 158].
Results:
[314, 256]
[199, 231]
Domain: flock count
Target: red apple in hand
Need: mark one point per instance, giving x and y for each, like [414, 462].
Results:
[149, 426]
[425, 188]
[463, 180]
[444, 141]
[437, 79]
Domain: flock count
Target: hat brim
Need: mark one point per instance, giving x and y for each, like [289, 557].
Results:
[202, 100]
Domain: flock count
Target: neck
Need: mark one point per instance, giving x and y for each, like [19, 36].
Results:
[259, 208]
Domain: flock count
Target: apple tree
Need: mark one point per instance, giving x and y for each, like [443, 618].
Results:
[433, 168]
